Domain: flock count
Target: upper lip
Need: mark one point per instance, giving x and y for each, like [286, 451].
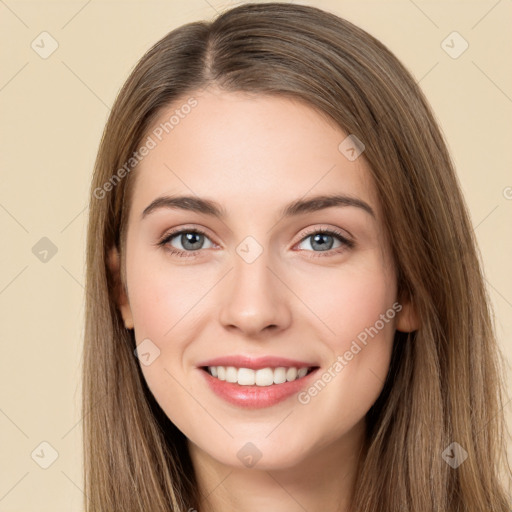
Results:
[255, 363]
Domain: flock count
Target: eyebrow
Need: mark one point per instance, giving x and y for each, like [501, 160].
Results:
[215, 209]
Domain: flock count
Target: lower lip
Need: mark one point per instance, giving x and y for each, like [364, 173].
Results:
[256, 397]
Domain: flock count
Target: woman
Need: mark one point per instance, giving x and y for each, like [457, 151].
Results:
[285, 304]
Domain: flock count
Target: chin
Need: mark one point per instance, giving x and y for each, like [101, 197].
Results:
[260, 456]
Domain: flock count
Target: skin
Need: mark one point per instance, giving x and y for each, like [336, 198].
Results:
[254, 154]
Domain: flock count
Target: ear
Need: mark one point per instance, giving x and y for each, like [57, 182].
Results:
[407, 319]
[119, 291]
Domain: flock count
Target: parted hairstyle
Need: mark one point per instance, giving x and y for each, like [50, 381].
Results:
[445, 381]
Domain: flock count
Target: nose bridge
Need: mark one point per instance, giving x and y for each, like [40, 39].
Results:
[254, 297]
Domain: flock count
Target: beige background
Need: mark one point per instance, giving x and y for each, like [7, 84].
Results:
[52, 113]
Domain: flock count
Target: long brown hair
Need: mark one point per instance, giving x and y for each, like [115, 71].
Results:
[445, 381]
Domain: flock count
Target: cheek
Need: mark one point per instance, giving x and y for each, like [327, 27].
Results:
[162, 302]
[348, 300]
[167, 303]
[162, 296]
[357, 309]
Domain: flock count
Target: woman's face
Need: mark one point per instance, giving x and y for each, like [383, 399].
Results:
[260, 288]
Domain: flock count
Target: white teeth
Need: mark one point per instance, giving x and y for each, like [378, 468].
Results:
[231, 374]
[280, 375]
[264, 377]
[246, 377]
[261, 377]
[291, 374]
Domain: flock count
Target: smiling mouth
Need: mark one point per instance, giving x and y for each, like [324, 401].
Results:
[263, 377]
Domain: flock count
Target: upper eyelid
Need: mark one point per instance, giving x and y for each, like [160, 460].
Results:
[172, 233]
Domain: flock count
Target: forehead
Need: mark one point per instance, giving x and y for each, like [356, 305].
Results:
[248, 152]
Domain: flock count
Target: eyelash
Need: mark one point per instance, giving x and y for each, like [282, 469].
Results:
[190, 254]
[347, 244]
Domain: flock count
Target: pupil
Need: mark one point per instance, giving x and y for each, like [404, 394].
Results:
[190, 239]
[317, 239]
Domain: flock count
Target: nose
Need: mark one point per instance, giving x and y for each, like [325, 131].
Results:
[254, 298]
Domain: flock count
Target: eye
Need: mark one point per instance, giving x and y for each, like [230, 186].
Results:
[322, 241]
[189, 241]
